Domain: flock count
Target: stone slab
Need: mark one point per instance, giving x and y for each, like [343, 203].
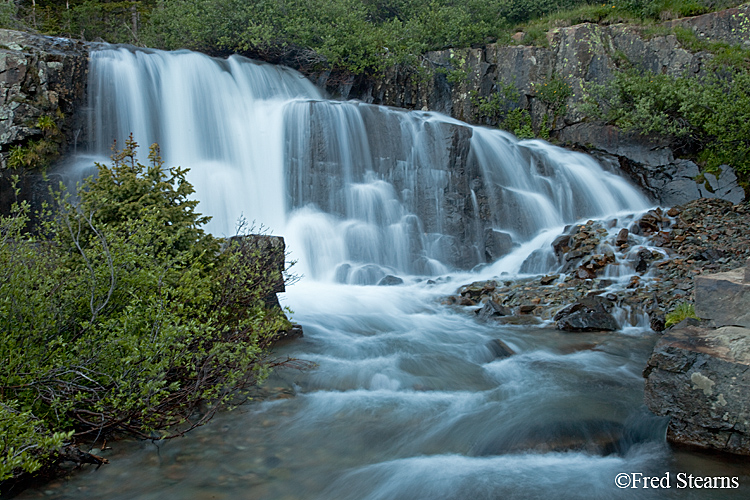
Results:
[723, 298]
[701, 379]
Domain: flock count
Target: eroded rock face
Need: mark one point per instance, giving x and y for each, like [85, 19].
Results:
[39, 77]
[724, 298]
[699, 377]
[582, 55]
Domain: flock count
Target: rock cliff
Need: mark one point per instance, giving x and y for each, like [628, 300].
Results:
[698, 375]
[581, 54]
[40, 77]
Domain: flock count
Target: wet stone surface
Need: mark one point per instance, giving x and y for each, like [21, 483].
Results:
[643, 270]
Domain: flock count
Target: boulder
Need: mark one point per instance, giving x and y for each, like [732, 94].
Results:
[496, 244]
[390, 280]
[699, 377]
[499, 349]
[724, 298]
[492, 309]
[590, 314]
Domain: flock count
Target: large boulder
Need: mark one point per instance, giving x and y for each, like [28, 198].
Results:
[724, 298]
[699, 377]
[590, 314]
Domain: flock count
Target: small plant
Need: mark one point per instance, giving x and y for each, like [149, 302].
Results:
[555, 93]
[681, 312]
[40, 152]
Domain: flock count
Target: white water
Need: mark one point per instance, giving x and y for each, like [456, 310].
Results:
[407, 399]
[358, 191]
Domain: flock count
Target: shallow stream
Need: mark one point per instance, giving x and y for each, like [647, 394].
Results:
[408, 402]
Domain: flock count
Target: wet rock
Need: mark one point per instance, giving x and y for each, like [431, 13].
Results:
[477, 289]
[548, 280]
[622, 237]
[499, 349]
[527, 308]
[390, 280]
[657, 321]
[561, 244]
[492, 309]
[496, 244]
[591, 436]
[590, 314]
[701, 379]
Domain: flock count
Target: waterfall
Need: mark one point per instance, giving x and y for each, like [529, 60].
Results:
[360, 191]
[408, 398]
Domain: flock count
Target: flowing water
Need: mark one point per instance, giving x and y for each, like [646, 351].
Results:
[407, 398]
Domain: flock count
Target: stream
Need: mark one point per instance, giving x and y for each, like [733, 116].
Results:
[404, 398]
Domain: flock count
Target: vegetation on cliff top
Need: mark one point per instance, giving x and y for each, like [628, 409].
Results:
[121, 315]
[352, 35]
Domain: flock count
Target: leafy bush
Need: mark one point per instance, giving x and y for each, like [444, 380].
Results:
[682, 311]
[708, 118]
[358, 36]
[119, 314]
[38, 153]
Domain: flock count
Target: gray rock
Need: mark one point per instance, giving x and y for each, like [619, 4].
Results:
[390, 280]
[725, 186]
[700, 378]
[723, 298]
[492, 309]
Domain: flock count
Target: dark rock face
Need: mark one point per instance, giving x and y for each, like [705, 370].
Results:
[39, 76]
[700, 378]
[581, 54]
[590, 314]
[439, 188]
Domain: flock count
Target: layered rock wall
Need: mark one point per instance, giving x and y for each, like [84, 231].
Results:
[699, 376]
[580, 55]
[39, 77]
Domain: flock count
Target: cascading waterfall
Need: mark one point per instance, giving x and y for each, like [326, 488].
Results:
[359, 191]
[408, 399]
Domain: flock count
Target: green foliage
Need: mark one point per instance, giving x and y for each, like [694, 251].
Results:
[359, 36]
[24, 442]
[8, 12]
[708, 118]
[38, 153]
[554, 93]
[503, 109]
[681, 312]
[113, 21]
[119, 314]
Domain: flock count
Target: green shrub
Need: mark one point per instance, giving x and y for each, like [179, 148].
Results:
[120, 315]
[706, 118]
[681, 312]
[40, 152]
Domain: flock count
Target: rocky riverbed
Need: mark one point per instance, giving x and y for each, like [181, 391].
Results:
[610, 278]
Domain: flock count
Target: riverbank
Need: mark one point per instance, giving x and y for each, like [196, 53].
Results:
[641, 272]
